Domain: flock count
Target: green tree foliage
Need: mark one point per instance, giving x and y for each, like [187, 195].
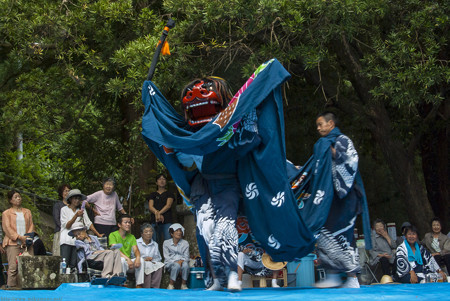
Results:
[71, 75]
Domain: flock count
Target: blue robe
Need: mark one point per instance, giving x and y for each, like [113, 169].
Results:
[330, 195]
[262, 172]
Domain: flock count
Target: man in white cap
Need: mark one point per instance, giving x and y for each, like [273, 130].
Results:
[176, 256]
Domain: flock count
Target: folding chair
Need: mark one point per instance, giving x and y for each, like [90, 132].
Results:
[93, 268]
[370, 270]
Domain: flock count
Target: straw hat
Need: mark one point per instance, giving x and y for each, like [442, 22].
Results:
[270, 264]
[386, 279]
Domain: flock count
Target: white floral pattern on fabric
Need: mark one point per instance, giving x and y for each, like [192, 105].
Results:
[278, 200]
[319, 197]
[273, 242]
[345, 165]
[205, 221]
[251, 191]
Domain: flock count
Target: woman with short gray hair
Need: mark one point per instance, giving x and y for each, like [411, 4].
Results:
[148, 248]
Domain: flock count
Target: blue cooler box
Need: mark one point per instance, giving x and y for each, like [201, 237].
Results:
[305, 271]
[196, 277]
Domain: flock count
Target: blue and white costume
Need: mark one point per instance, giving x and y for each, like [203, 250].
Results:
[330, 196]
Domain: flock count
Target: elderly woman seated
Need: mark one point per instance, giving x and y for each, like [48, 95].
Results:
[438, 244]
[382, 247]
[176, 256]
[92, 251]
[151, 258]
[414, 263]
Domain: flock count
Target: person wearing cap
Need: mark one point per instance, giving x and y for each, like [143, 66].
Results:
[17, 221]
[73, 217]
[402, 238]
[93, 251]
[382, 247]
[106, 203]
[128, 242]
[413, 262]
[151, 258]
[176, 256]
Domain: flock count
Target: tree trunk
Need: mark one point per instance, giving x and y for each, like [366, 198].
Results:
[436, 164]
[398, 158]
[140, 165]
[401, 165]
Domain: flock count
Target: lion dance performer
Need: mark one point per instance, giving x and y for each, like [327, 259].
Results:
[223, 148]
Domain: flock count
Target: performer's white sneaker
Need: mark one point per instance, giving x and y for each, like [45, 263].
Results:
[352, 282]
[216, 286]
[170, 287]
[331, 280]
[274, 283]
[233, 282]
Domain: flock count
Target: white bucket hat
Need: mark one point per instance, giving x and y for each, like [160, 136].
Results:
[176, 226]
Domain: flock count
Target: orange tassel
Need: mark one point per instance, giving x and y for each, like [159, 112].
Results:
[165, 48]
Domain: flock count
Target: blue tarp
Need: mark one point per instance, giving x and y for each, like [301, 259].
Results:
[84, 291]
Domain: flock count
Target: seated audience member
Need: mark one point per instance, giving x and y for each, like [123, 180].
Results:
[413, 262]
[73, 216]
[438, 244]
[93, 251]
[16, 222]
[250, 260]
[382, 247]
[128, 241]
[38, 244]
[402, 238]
[176, 256]
[151, 258]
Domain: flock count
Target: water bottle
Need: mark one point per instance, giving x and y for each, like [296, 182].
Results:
[63, 266]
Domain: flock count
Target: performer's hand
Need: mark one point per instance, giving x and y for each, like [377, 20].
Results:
[180, 262]
[333, 152]
[148, 258]
[79, 213]
[434, 254]
[96, 213]
[101, 234]
[414, 278]
[2, 251]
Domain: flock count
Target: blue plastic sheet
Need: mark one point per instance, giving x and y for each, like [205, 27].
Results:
[84, 291]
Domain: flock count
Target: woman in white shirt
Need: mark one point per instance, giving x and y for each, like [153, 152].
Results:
[153, 266]
[73, 217]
